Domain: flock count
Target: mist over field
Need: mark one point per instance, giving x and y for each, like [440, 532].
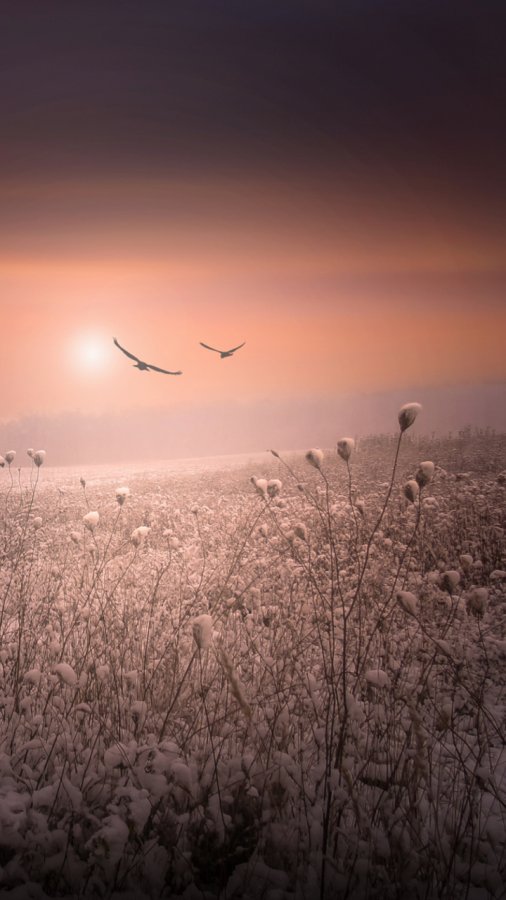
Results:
[246, 427]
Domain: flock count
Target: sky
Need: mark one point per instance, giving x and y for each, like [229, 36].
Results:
[323, 180]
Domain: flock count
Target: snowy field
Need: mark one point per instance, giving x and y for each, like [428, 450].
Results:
[150, 469]
[256, 676]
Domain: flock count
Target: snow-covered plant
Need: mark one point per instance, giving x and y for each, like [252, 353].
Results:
[407, 601]
[378, 678]
[477, 601]
[466, 561]
[91, 520]
[408, 414]
[450, 580]
[235, 682]
[202, 627]
[425, 473]
[139, 535]
[411, 490]
[345, 448]
[66, 674]
[274, 487]
[260, 485]
[121, 494]
[300, 531]
[315, 458]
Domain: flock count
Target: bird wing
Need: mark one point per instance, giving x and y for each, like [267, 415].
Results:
[165, 371]
[209, 348]
[130, 355]
[236, 348]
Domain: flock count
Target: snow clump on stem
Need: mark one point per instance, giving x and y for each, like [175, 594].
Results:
[411, 490]
[202, 627]
[138, 535]
[377, 678]
[121, 495]
[260, 485]
[408, 414]
[450, 581]
[66, 674]
[345, 448]
[91, 520]
[315, 458]
[477, 602]
[425, 473]
[407, 601]
[274, 487]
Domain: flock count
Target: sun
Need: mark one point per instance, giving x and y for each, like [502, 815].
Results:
[90, 353]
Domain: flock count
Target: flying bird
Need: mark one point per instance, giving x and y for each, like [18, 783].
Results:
[143, 366]
[223, 353]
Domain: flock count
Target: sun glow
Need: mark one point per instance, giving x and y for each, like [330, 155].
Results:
[90, 353]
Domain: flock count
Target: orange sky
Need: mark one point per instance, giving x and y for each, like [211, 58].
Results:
[334, 288]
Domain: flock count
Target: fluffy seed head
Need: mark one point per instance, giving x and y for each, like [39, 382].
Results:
[345, 448]
[407, 601]
[2, 462]
[315, 458]
[450, 580]
[9, 456]
[300, 531]
[121, 495]
[408, 414]
[202, 627]
[411, 490]
[138, 535]
[91, 520]
[39, 457]
[260, 485]
[360, 506]
[378, 678]
[425, 473]
[30, 452]
[273, 487]
[477, 602]
[466, 561]
[66, 674]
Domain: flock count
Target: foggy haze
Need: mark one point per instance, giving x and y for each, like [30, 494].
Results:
[74, 438]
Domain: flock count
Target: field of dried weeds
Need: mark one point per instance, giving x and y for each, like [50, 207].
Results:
[281, 683]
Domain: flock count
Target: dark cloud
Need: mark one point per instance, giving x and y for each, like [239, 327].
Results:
[414, 87]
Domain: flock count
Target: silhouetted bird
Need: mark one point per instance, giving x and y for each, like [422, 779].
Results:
[143, 366]
[223, 353]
